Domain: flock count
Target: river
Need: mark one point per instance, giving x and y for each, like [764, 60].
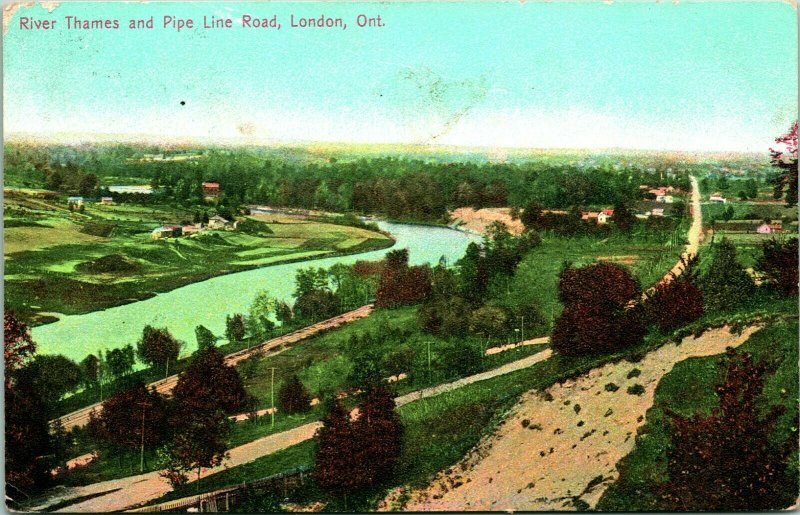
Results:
[207, 302]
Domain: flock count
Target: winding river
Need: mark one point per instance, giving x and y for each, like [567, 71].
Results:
[207, 302]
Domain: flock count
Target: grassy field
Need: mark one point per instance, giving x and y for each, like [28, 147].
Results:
[51, 255]
[689, 389]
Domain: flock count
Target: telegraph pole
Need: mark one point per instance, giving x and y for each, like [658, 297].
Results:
[141, 456]
[272, 395]
[429, 361]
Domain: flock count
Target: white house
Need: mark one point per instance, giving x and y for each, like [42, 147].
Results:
[717, 198]
[217, 222]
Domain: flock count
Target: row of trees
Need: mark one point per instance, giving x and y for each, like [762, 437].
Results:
[602, 308]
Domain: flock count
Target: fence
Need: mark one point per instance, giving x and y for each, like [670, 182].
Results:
[220, 500]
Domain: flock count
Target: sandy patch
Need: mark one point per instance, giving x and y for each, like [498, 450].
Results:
[478, 220]
[547, 454]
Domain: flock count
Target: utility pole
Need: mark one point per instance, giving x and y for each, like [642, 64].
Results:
[141, 456]
[166, 373]
[523, 328]
[429, 361]
[272, 395]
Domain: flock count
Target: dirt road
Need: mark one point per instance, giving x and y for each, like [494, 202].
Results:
[135, 490]
[81, 417]
[561, 445]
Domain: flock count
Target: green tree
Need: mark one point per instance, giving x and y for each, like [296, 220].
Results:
[205, 338]
[726, 283]
[120, 361]
[259, 321]
[235, 327]
[294, 397]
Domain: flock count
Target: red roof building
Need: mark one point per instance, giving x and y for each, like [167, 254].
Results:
[210, 189]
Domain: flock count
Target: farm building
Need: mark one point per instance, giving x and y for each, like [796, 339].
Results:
[666, 199]
[107, 201]
[75, 201]
[659, 211]
[166, 231]
[210, 190]
[717, 198]
[604, 216]
[192, 229]
[217, 222]
[589, 216]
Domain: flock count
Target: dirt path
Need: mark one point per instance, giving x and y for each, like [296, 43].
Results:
[694, 236]
[136, 490]
[569, 447]
[81, 417]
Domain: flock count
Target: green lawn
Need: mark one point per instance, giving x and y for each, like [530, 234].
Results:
[49, 253]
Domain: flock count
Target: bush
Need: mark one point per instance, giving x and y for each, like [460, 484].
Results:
[778, 263]
[726, 283]
[675, 304]
[636, 389]
[294, 397]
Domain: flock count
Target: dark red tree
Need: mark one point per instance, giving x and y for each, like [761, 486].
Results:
[725, 461]
[294, 397]
[675, 304]
[784, 157]
[19, 347]
[399, 284]
[778, 263]
[157, 347]
[605, 285]
[335, 466]
[378, 434]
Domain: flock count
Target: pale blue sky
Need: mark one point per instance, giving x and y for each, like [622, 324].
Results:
[696, 76]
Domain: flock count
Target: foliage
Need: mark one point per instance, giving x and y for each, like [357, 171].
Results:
[294, 397]
[726, 283]
[18, 348]
[784, 158]
[401, 284]
[316, 304]
[675, 304]
[597, 316]
[120, 361]
[235, 327]
[27, 439]
[52, 376]
[259, 322]
[157, 347]
[778, 263]
[90, 367]
[725, 461]
[205, 338]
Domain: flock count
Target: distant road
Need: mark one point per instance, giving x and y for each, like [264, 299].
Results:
[80, 417]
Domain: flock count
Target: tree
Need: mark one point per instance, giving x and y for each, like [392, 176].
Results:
[675, 304]
[532, 217]
[120, 361]
[725, 461]
[400, 284]
[235, 327]
[778, 263]
[27, 438]
[600, 311]
[88, 184]
[378, 434]
[489, 321]
[316, 304]
[294, 397]
[726, 283]
[335, 467]
[784, 158]
[130, 419]
[19, 347]
[205, 338]
[623, 218]
[52, 377]
[284, 312]
[157, 347]
[259, 321]
[206, 393]
[90, 366]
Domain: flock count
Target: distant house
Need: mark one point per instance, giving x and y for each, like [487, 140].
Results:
[666, 199]
[75, 201]
[217, 222]
[166, 231]
[604, 216]
[659, 211]
[192, 229]
[764, 229]
[589, 216]
[107, 201]
[211, 189]
[717, 198]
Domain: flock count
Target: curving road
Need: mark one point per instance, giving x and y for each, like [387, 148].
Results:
[81, 417]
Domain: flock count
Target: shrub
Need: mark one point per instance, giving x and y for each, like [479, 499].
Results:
[675, 304]
[778, 263]
[726, 283]
[294, 397]
[636, 389]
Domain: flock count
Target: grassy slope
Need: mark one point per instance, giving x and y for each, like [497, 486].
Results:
[688, 389]
[43, 262]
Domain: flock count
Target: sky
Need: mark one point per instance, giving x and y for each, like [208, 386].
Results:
[685, 76]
